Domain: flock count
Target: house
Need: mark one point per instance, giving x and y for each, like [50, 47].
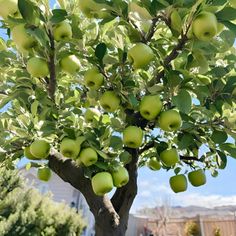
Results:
[61, 192]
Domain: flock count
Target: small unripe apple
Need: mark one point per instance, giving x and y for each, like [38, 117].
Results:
[205, 26]
[170, 120]
[44, 173]
[93, 78]
[133, 137]
[70, 64]
[154, 164]
[69, 148]
[178, 183]
[169, 157]
[150, 107]
[62, 31]
[140, 55]
[88, 156]
[28, 154]
[21, 38]
[8, 8]
[91, 113]
[37, 67]
[102, 183]
[120, 177]
[40, 149]
[197, 177]
[109, 101]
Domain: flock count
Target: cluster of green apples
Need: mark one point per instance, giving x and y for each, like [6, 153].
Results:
[39, 150]
[103, 182]
[37, 66]
[168, 158]
[151, 106]
[179, 183]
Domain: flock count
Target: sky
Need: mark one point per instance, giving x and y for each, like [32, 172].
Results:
[154, 188]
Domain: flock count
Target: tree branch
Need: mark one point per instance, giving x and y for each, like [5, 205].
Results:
[123, 197]
[52, 68]
[147, 147]
[70, 173]
[152, 29]
[173, 54]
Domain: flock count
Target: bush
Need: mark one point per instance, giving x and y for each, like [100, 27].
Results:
[26, 212]
[192, 229]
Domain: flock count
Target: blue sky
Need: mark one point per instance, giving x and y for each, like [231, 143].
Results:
[154, 187]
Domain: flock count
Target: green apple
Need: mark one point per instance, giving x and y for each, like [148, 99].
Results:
[28, 154]
[150, 107]
[178, 183]
[205, 26]
[110, 101]
[197, 177]
[169, 157]
[40, 149]
[91, 113]
[21, 38]
[44, 173]
[154, 164]
[133, 137]
[70, 64]
[88, 156]
[92, 9]
[37, 67]
[170, 120]
[102, 183]
[62, 31]
[140, 55]
[69, 148]
[8, 8]
[93, 78]
[120, 177]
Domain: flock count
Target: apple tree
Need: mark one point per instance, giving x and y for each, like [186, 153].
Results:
[98, 88]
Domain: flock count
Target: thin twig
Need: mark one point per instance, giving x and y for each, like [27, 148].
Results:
[52, 81]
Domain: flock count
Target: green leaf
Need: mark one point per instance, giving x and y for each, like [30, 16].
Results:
[227, 13]
[116, 142]
[221, 160]
[100, 51]
[34, 107]
[230, 26]
[177, 170]
[218, 2]
[219, 136]
[185, 141]
[183, 101]
[58, 15]
[229, 148]
[28, 10]
[102, 165]
[102, 154]
[125, 157]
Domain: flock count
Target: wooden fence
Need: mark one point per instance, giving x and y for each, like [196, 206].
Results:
[207, 225]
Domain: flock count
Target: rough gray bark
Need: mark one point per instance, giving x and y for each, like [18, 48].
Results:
[111, 215]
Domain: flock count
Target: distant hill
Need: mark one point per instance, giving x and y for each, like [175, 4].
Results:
[189, 211]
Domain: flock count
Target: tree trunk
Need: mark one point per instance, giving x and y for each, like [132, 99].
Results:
[103, 227]
[111, 215]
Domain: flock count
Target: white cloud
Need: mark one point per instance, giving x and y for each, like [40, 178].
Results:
[151, 194]
[188, 199]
